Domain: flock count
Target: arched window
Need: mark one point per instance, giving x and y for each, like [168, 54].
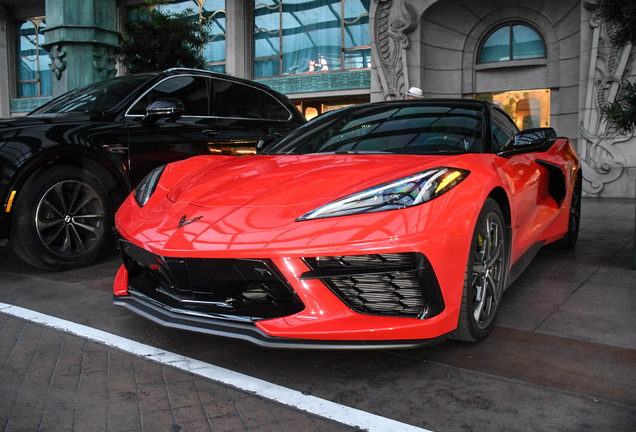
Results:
[513, 41]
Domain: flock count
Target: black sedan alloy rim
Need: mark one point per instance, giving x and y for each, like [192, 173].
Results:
[69, 219]
[487, 270]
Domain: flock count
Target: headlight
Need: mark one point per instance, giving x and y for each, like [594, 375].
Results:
[407, 192]
[147, 186]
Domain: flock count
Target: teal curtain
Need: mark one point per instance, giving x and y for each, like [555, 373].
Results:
[317, 36]
[311, 36]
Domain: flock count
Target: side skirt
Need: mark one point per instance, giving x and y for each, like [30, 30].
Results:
[524, 260]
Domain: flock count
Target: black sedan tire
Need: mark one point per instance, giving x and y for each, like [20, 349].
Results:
[62, 219]
[485, 278]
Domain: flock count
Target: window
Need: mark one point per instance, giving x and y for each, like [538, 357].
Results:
[98, 97]
[415, 129]
[34, 74]
[512, 42]
[502, 130]
[528, 108]
[296, 37]
[242, 101]
[192, 91]
[202, 10]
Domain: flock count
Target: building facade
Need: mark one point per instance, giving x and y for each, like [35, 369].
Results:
[547, 63]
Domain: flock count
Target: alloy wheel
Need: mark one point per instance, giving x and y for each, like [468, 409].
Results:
[488, 270]
[69, 218]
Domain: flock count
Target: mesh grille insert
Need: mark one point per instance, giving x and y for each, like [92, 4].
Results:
[379, 284]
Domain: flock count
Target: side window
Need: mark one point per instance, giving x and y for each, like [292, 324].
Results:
[192, 91]
[502, 130]
[239, 100]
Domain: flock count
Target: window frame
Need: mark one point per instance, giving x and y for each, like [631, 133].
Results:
[502, 120]
[210, 83]
[343, 48]
[510, 25]
[36, 21]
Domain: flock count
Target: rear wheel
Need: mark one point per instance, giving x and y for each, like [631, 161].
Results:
[485, 278]
[570, 238]
[62, 219]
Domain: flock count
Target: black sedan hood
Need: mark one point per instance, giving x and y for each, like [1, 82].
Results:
[35, 121]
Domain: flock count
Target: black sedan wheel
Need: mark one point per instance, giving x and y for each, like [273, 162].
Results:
[485, 278]
[62, 219]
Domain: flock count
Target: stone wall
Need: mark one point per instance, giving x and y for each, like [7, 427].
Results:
[434, 45]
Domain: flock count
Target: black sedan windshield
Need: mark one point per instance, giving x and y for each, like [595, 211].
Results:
[95, 98]
[398, 128]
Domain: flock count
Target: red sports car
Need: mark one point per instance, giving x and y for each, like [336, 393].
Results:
[393, 224]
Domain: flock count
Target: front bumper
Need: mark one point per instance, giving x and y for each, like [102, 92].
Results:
[365, 301]
[248, 331]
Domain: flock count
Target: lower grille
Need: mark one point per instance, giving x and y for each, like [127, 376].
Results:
[231, 288]
[381, 284]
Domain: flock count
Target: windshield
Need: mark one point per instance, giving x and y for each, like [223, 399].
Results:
[404, 128]
[95, 98]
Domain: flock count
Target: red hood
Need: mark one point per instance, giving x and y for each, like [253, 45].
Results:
[247, 202]
[278, 181]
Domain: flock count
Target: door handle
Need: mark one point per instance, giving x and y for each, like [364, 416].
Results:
[211, 131]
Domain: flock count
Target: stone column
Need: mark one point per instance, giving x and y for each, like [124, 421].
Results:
[238, 38]
[82, 38]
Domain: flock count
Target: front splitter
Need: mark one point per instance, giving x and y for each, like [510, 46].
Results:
[248, 331]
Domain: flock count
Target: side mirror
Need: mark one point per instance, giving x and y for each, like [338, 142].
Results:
[164, 108]
[528, 140]
[533, 137]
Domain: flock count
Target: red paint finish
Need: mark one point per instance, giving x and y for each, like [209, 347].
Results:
[249, 206]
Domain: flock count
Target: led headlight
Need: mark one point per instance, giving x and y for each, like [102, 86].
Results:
[406, 192]
[147, 186]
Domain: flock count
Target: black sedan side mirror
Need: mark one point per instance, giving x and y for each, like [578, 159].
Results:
[164, 108]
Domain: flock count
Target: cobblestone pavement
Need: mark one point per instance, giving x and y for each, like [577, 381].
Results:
[52, 381]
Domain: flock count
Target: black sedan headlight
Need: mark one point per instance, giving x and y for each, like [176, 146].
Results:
[398, 194]
[147, 186]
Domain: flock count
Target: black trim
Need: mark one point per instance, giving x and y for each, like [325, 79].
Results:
[524, 260]
[250, 333]
[433, 300]
[331, 273]
[556, 181]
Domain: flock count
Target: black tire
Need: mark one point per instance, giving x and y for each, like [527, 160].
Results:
[570, 238]
[62, 219]
[486, 273]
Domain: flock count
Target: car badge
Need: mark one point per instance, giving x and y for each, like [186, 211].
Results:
[183, 221]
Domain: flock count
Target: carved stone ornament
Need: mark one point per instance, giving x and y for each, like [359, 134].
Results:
[58, 64]
[603, 162]
[390, 46]
[104, 62]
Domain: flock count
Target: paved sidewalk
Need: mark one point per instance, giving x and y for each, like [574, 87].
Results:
[52, 381]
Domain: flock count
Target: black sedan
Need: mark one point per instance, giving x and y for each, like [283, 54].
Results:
[67, 166]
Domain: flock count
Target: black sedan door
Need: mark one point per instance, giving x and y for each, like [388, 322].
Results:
[248, 117]
[164, 139]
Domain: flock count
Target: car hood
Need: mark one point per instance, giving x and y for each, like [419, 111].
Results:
[34, 121]
[284, 181]
[240, 203]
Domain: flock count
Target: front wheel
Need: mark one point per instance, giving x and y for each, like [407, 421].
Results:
[62, 219]
[485, 278]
